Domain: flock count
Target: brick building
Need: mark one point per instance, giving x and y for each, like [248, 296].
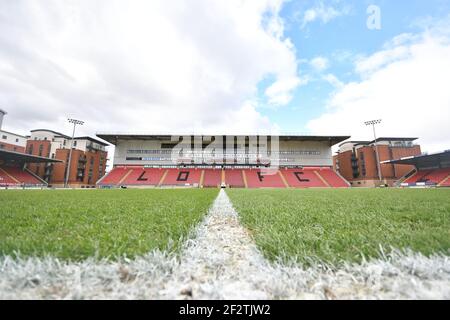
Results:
[356, 160]
[11, 141]
[88, 162]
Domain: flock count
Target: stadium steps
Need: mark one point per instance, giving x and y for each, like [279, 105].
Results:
[125, 177]
[163, 178]
[42, 181]
[349, 185]
[405, 177]
[445, 182]
[418, 176]
[21, 176]
[334, 179]
[411, 177]
[283, 179]
[10, 176]
[202, 178]
[322, 178]
[244, 177]
[438, 176]
[113, 177]
[6, 178]
[263, 178]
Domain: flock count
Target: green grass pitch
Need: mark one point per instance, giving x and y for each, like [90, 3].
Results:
[338, 225]
[75, 224]
[328, 225]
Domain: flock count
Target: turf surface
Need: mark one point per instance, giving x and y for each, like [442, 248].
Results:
[75, 224]
[338, 225]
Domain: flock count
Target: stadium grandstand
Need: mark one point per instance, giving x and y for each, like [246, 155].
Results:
[287, 161]
[14, 172]
[430, 170]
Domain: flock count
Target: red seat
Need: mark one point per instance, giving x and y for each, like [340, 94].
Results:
[425, 176]
[182, 177]
[5, 179]
[264, 179]
[212, 178]
[333, 179]
[23, 176]
[143, 177]
[446, 183]
[303, 178]
[437, 176]
[234, 179]
[114, 176]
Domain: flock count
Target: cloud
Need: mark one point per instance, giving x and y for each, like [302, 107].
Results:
[319, 63]
[333, 80]
[142, 65]
[279, 93]
[323, 13]
[406, 85]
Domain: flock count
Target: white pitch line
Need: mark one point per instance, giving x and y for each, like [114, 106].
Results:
[222, 262]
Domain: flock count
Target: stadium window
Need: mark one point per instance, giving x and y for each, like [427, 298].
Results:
[2, 146]
[41, 148]
[4, 137]
[17, 140]
[30, 149]
[167, 145]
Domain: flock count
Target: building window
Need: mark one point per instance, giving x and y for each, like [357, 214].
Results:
[30, 149]
[4, 137]
[17, 140]
[2, 146]
[75, 143]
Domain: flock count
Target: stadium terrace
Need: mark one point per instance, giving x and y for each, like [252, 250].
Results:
[257, 161]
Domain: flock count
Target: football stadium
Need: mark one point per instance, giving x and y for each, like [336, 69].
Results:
[228, 161]
[224, 217]
[252, 150]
